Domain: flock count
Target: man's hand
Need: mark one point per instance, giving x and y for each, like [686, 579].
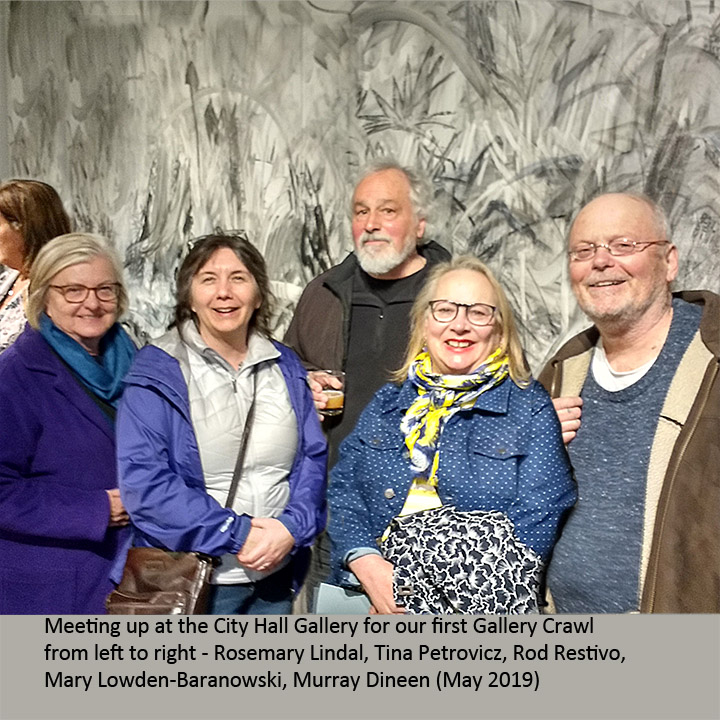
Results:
[318, 381]
[569, 412]
[319, 397]
[118, 514]
[376, 576]
[266, 545]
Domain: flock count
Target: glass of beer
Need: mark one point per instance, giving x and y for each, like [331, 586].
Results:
[333, 385]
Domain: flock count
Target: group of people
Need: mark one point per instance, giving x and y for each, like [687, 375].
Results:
[453, 482]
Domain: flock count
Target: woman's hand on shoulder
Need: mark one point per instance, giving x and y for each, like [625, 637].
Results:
[376, 576]
[267, 544]
[118, 514]
[569, 412]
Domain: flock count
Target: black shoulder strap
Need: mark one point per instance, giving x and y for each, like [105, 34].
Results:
[243, 444]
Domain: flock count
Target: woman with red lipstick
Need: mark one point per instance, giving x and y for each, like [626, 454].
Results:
[189, 397]
[449, 494]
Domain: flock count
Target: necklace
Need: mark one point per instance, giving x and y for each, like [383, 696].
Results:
[17, 287]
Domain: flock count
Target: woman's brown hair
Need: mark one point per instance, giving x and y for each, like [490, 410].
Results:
[37, 211]
[202, 250]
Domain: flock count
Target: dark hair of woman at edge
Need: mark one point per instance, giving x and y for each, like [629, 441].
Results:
[31, 214]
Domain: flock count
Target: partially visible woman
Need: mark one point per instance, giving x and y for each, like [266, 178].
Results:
[180, 426]
[31, 214]
[62, 523]
[449, 493]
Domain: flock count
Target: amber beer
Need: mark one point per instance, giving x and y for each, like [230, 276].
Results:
[333, 385]
[335, 402]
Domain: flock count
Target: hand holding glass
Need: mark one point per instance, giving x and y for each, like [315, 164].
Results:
[332, 383]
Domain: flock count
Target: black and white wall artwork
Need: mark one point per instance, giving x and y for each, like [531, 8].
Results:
[160, 121]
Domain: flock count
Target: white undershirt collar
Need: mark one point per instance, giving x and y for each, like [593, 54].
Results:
[612, 380]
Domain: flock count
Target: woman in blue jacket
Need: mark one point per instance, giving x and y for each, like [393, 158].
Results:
[449, 494]
[180, 427]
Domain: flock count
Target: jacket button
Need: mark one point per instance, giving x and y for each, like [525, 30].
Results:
[502, 451]
[389, 493]
[375, 441]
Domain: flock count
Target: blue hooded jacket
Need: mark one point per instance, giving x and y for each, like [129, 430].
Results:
[160, 474]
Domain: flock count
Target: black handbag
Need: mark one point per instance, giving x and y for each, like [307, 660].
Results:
[163, 582]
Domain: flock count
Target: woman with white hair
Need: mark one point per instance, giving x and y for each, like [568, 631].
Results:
[62, 523]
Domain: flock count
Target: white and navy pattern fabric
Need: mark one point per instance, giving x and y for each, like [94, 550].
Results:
[446, 561]
[505, 454]
[12, 316]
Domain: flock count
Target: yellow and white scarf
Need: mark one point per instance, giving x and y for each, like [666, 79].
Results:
[439, 397]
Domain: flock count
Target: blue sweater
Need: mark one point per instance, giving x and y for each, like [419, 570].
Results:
[596, 565]
[505, 454]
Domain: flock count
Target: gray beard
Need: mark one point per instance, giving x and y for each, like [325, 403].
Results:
[387, 259]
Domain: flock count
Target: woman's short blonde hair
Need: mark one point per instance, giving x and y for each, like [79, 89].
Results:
[504, 320]
[63, 252]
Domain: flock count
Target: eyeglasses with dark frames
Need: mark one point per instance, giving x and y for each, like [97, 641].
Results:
[78, 293]
[619, 247]
[479, 314]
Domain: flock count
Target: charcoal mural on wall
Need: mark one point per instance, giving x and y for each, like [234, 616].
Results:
[160, 121]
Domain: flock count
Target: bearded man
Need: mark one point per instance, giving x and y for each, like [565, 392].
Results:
[355, 316]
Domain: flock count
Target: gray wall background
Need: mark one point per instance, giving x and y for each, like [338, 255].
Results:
[159, 121]
[4, 104]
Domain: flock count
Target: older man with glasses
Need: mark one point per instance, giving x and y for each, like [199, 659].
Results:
[638, 396]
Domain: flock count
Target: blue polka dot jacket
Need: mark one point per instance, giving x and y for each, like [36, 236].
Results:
[504, 454]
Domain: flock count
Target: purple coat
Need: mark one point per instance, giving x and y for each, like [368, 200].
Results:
[57, 458]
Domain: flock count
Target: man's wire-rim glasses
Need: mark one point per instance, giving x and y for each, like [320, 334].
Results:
[619, 247]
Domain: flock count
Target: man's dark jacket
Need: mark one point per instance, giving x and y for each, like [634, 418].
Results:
[320, 329]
